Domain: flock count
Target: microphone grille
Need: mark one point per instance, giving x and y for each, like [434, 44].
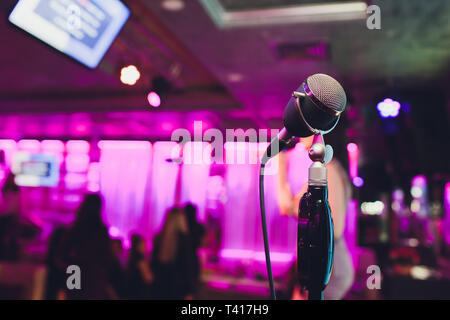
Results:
[328, 91]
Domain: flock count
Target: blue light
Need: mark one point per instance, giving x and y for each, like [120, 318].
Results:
[389, 108]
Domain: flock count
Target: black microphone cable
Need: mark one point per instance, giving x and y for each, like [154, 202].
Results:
[264, 228]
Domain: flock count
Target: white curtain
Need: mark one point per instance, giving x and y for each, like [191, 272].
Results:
[124, 173]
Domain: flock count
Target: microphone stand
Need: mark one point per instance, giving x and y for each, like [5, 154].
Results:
[315, 243]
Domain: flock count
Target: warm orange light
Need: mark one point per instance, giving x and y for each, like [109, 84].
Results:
[129, 75]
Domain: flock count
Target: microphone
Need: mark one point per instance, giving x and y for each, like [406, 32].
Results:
[314, 108]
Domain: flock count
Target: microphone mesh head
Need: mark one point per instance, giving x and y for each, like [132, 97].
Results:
[328, 91]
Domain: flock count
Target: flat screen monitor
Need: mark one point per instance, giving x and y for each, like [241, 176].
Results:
[82, 29]
[35, 170]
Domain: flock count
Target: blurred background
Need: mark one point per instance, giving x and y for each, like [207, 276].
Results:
[91, 92]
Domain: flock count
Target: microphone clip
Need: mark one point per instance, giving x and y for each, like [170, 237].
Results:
[300, 95]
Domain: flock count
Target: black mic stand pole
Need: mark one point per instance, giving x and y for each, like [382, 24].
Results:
[315, 243]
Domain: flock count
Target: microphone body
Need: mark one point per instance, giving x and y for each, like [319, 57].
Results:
[314, 108]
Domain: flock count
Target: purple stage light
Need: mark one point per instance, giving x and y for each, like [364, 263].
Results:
[446, 223]
[77, 146]
[255, 255]
[29, 145]
[358, 182]
[7, 144]
[167, 126]
[389, 108]
[124, 145]
[53, 146]
[77, 163]
[352, 147]
[153, 99]
[353, 155]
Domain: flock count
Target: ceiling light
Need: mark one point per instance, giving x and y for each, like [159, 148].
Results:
[173, 5]
[311, 13]
[129, 75]
[153, 99]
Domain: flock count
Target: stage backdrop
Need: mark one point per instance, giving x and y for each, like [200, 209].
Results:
[138, 182]
[242, 241]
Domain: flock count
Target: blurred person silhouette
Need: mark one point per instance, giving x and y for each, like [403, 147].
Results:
[118, 274]
[10, 204]
[9, 220]
[87, 244]
[139, 274]
[196, 233]
[339, 194]
[56, 275]
[172, 262]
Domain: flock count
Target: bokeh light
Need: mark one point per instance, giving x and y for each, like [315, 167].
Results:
[358, 182]
[153, 99]
[129, 75]
[389, 108]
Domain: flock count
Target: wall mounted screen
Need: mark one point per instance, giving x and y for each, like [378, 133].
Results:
[35, 170]
[82, 29]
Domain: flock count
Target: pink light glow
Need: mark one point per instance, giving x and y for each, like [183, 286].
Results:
[81, 128]
[353, 155]
[7, 144]
[153, 99]
[113, 231]
[9, 148]
[352, 147]
[447, 193]
[54, 146]
[93, 187]
[167, 126]
[124, 169]
[200, 125]
[195, 175]
[120, 144]
[219, 285]
[446, 223]
[419, 181]
[358, 182]
[94, 172]
[77, 162]
[243, 233]
[255, 255]
[93, 177]
[77, 146]
[74, 180]
[29, 145]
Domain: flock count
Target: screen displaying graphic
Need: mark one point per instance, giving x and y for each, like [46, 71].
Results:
[35, 170]
[82, 29]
